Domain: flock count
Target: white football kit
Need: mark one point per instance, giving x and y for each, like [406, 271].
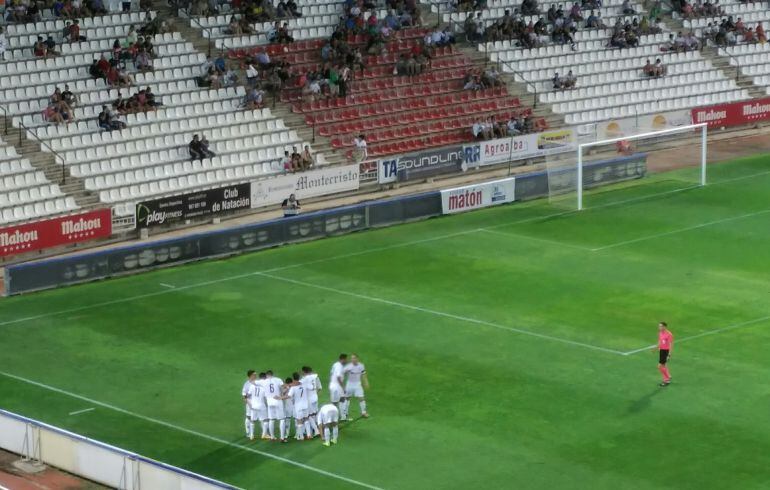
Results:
[272, 390]
[246, 393]
[298, 394]
[328, 414]
[313, 384]
[353, 386]
[335, 388]
[258, 405]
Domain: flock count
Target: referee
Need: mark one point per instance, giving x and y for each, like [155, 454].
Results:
[665, 346]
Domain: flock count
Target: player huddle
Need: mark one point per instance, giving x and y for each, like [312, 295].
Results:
[269, 400]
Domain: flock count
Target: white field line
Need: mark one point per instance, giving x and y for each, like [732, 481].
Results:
[191, 432]
[78, 412]
[537, 239]
[170, 286]
[129, 299]
[429, 311]
[680, 230]
[705, 334]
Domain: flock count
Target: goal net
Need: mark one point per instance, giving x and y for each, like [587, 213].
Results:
[635, 165]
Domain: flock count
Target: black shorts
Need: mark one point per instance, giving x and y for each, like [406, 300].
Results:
[663, 356]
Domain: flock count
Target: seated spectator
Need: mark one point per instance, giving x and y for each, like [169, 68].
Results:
[659, 69]
[749, 36]
[283, 35]
[196, 149]
[478, 130]
[392, 21]
[594, 21]
[120, 104]
[760, 32]
[690, 42]
[529, 7]
[3, 44]
[51, 114]
[143, 61]
[627, 8]
[97, 7]
[648, 68]
[205, 148]
[557, 81]
[50, 45]
[360, 152]
[669, 45]
[39, 49]
[253, 99]
[296, 159]
[569, 81]
[307, 158]
[515, 126]
[75, 32]
[576, 12]
[472, 82]
[293, 8]
[108, 122]
[287, 163]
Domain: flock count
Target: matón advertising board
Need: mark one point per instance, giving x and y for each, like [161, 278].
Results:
[478, 196]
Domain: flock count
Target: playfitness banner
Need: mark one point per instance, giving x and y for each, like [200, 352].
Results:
[478, 196]
[733, 114]
[65, 230]
[314, 183]
[209, 202]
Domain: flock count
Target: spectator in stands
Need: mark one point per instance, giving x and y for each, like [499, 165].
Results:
[529, 7]
[296, 159]
[205, 147]
[283, 34]
[253, 99]
[730, 38]
[75, 32]
[514, 125]
[57, 7]
[360, 152]
[594, 21]
[39, 49]
[108, 122]
[491, 78]
[196, 149]
[307, 158]
[3, 44]
[473, 27]
[50, 45]
[627, 8]
[569, 81]
[760, 32]
[472, 81]
[51, 114]
[557, 81]
[659, 68]
[287, 163]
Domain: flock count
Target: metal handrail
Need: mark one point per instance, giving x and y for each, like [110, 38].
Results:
[519, 77]
[24, 129]
[205, 29]
[50, 150]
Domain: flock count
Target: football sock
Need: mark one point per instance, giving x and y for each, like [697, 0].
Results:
[247, 424]
[314, 426]
[662, 370]
[308, 430]
[326, 434]
[250, 428]
[362, 404]
[335, 432]
[300, 430]
[282, 424]
[271, 428]
[264, 428]
[666, 374]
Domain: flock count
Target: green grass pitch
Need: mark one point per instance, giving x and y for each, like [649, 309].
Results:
[505, 347]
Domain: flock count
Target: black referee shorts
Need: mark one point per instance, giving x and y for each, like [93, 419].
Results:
[663, 356]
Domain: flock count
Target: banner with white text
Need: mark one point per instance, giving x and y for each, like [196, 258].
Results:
[304, 185]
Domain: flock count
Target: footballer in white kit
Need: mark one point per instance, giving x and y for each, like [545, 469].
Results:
[356, 382]
[328, 421]
[313, 385]
[247, 392]
[259, 404]
[299, 397]
[336, 376]
[274, 405]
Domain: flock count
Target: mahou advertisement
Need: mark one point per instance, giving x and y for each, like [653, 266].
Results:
[55, 232]
[733, 114]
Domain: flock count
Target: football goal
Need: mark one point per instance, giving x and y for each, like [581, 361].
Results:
[642, 163]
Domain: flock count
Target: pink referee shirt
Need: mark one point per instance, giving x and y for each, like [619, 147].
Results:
[665, 340]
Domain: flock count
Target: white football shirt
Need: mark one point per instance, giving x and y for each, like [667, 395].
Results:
[313, 384]
[273, 389]
[299, 396]
[337, 372]
[354, 372]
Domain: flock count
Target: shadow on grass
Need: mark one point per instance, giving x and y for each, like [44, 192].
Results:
[643, 403]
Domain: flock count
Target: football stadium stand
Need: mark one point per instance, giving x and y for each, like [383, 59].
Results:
[72, 153]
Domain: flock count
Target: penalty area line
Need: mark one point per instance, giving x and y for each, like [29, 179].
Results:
[429, 311]
[78, 412]
[190, 431]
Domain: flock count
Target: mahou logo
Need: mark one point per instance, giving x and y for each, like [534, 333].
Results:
[55, 232]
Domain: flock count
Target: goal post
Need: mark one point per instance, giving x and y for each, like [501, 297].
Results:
[647, 160]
